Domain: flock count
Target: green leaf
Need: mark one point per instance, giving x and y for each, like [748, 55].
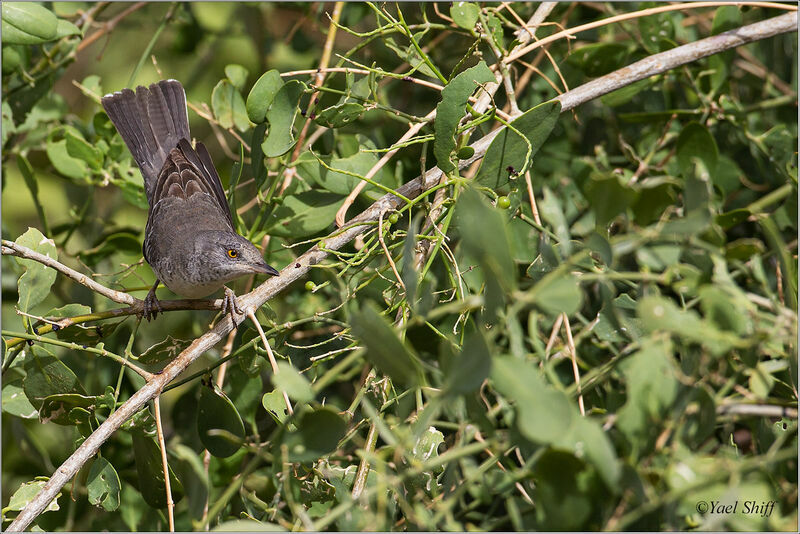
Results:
[14, 401]
[318, 434]
[563, 491]
[339, 115]
[35, 283]
[652, 385]
[103, 485]
[64, 163]
[27, 23]
[65, 28]
[45, 376]
[150, 471]
[484, 236]
[695, 141]
[470, 368]
[29, 176]
[166, 349]
[237, 75]
[465, 14]
[625, 94]
[450, 111]
[598, 59]
[520, 381]
[506, 155]
[12, 61]
[245, 390]
[56, 408]
[189, 466]
[79, 148]
[275, 405]
[661, 314]
[558, 292]
[724, 310]
[304, 214]
[588, 439]
[336, 182]
[68, 310]
[228, 106]
[28, 490]
[261, 95]
[293, 383]
[215, 413]
[653, 198]
[384, 349]
[658, 31]
[608, 197]
[280, 117]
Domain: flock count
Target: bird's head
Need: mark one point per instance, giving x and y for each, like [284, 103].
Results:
[226, 255]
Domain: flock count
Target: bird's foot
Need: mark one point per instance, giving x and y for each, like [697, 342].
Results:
[229, 304]
[152, 306]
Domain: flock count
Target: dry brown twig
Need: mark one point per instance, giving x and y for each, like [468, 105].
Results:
[647, 67]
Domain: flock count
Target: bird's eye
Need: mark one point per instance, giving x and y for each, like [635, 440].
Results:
[232, 253]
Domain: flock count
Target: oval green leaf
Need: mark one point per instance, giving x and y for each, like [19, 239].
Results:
[103, 485]
[293, 383]
[261, 95]
[150, 471]
[505, 157]
[318, 434]
[237, 75]
[280, 117]
[339, 115]
[27, 23]
[450, 111]
[35, 283]
[228, 106]
[216, 412]
[384, 349]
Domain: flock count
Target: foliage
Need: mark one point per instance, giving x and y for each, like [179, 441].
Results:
[431, 364]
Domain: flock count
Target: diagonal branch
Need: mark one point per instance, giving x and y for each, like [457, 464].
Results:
[251, 301]
[13, 249]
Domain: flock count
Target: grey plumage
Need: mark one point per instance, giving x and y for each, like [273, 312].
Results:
[190, 240]
[151, 122]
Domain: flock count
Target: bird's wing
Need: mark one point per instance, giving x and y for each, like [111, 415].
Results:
[186, 172]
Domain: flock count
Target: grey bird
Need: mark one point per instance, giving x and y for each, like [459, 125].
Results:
[190, 241]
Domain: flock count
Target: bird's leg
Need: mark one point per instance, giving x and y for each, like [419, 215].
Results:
[151, 304]
[229, 303]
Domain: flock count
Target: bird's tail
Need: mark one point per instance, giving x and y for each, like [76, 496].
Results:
[151, 121]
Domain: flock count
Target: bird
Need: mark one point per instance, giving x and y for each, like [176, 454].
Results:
[190, 240]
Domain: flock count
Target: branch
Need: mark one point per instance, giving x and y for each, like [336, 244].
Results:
[251, 301]
[13, 249]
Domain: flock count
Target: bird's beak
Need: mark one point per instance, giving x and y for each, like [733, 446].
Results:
[263, 268]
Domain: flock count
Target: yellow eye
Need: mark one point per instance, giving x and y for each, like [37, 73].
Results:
[232, 253]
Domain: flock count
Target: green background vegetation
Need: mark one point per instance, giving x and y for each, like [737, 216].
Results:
[667, 242]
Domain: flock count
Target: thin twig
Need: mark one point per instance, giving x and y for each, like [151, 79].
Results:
[303, 264]
[531, 198]
[13, 249]
[569, 32]
[574, 357]
[389, 255]
[163, 447]
[759, 410]
[109, 26]
[272, 362]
